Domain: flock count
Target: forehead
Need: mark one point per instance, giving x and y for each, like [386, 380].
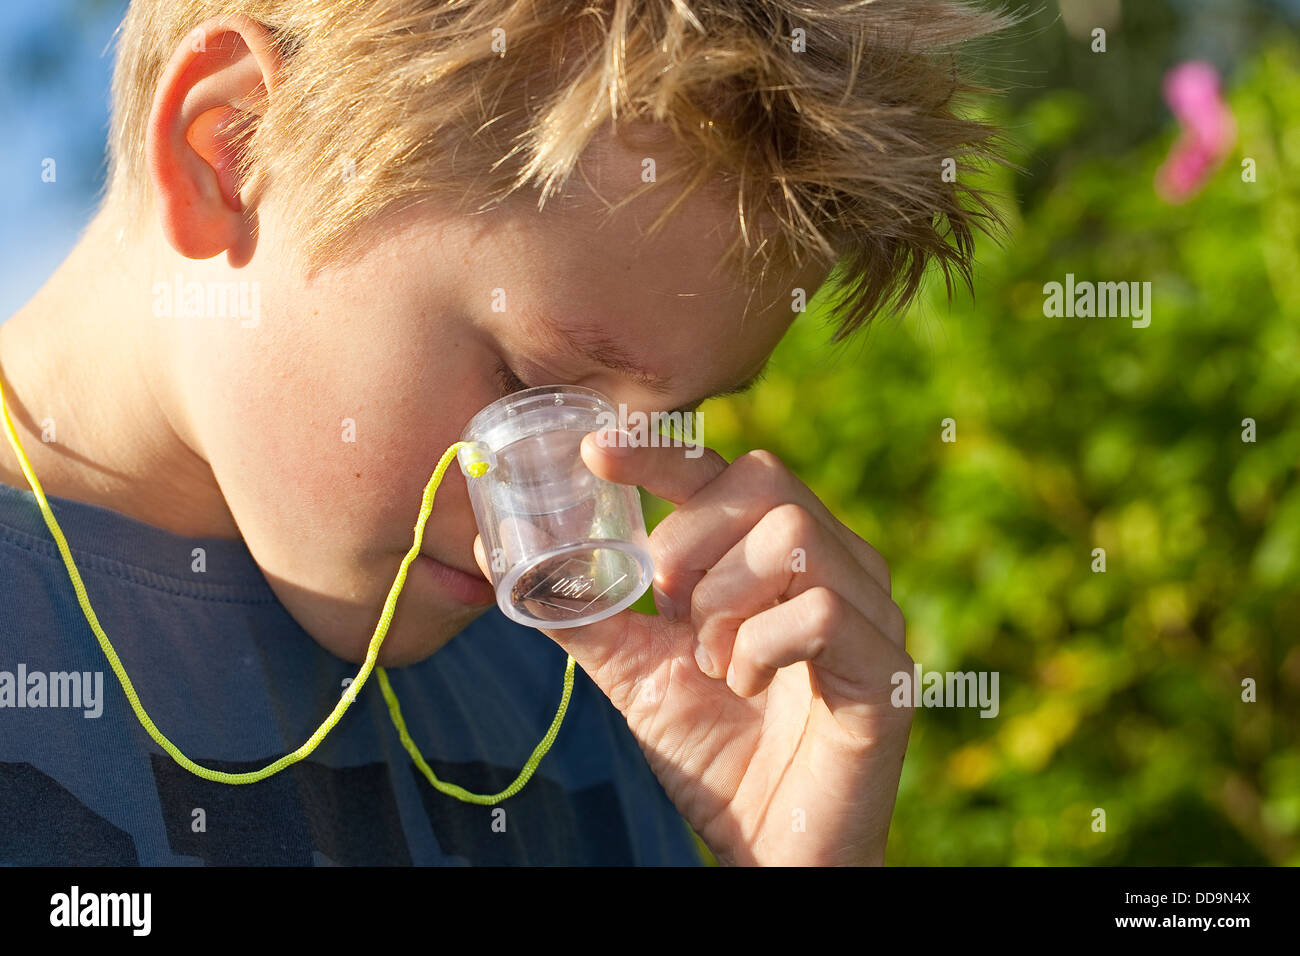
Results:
[587, 260]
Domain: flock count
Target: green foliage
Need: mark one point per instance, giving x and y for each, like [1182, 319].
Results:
[1120, 690]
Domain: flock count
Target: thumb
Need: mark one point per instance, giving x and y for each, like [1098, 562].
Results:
[620, 651]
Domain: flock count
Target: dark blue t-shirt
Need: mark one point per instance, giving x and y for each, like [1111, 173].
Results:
[232, 680]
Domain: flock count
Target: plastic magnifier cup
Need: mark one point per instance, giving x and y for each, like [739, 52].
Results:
[564, 547]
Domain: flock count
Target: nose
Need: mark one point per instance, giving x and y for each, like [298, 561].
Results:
[450, 531]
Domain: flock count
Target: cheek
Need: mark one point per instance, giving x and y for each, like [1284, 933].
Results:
[276, 442]
[322, 444]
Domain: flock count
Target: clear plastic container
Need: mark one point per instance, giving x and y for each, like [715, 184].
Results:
[564, 547]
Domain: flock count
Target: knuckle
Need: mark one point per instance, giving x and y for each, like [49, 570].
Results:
[791, 523]
[824, 610]
[761, 458]
[760, 466]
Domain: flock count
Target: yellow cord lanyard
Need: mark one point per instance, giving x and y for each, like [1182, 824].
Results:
[349, 695]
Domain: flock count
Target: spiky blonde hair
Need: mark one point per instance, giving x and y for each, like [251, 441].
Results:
[839, 146]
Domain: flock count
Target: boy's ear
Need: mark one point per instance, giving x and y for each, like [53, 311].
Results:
[223, 71]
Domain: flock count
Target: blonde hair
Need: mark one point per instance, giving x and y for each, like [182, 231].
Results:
[839, 147]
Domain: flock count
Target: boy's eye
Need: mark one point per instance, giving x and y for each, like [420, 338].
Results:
[508, 380]
[511, 383]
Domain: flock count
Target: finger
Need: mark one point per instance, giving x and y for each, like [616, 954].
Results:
[758, 572]
[852, 662]
[664, 472]
[671, 473]
[698, 533]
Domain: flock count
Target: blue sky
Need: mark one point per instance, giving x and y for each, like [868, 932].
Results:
[54, 104]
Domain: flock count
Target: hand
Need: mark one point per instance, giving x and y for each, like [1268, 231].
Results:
[764, 709]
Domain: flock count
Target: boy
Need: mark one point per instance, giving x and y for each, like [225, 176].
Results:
[238, 486]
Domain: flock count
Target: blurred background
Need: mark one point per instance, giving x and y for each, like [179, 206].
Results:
[1120, 689]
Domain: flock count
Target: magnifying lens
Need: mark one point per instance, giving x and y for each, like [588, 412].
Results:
[564, 547]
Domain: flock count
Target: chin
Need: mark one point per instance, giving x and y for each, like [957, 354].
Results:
[425, 618]
[406, 642]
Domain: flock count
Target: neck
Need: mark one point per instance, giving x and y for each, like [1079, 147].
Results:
[90, 381]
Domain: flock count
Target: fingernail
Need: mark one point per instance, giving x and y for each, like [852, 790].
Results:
[664, 604]
[705, 661]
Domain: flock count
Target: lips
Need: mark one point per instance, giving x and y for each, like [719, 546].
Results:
[467, 587]
[472, 571]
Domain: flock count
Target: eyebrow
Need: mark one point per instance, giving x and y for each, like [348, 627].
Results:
[602, 350]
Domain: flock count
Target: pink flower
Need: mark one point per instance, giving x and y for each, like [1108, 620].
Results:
[1192, 92]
